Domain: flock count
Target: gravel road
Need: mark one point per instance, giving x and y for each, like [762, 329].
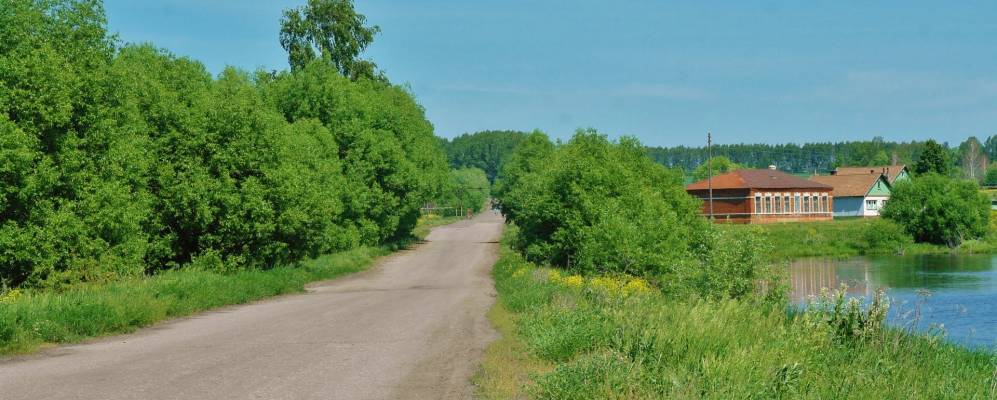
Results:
[413, 327]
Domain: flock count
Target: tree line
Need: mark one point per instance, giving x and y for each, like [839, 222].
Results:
[970, 159]
[119, 160]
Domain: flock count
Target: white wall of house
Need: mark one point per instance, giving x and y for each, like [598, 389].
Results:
[872, 204]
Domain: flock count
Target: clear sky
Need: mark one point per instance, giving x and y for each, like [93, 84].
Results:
[663, 71]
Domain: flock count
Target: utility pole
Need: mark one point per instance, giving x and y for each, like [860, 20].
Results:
[709, 169]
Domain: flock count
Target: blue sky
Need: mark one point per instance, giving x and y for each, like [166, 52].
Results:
[666, 72]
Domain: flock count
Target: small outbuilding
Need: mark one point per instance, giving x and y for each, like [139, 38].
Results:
[861, 195]
[753, 196]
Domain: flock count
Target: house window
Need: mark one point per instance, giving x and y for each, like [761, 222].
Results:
[815, 205]
[758, 204]
[768, 203]
[826, 203]
[778, 204]
[785, 203]
[796, 203]
[870, 204]
[806, 203]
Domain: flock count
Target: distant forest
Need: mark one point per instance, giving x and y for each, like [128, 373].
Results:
[971, 154]
[970, 159]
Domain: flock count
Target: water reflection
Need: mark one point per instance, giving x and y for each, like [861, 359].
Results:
[957, 291]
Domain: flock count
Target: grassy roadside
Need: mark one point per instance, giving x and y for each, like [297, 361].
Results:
[844, 238]
[580, 338]
[32, 319]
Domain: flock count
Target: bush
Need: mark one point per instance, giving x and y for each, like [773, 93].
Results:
[936, 209]
[883, 235]
[592, 205]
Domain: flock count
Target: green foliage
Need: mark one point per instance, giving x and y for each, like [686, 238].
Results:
[486, 150]
[934, 159]
[885, 235]
[844, 317]
[592, 205]
[940, 210]
[991, 177]
[118, 162]
[467, 188]
[730, 266]
[334, 30]
[719, 164]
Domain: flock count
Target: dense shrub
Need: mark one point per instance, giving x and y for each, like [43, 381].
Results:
[119, 161]
[884, 235]
[593, 205]
[937, 209]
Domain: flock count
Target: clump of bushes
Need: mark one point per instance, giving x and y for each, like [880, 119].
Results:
[884, 235]
[936, 209]
[120, 161]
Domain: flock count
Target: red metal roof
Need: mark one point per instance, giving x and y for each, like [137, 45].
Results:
[758, 179]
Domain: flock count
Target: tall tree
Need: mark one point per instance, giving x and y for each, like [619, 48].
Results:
[332, 30]
[974, 159]
[720, 165]
[934, 158]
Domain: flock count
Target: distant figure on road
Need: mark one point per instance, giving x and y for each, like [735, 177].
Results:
[469, 213]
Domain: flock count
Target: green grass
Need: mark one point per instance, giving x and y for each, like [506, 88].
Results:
[842, 238]
[38, 318]
[595, 346]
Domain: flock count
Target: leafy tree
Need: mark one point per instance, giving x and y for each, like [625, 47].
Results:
[467, 188]
[991, 177]
[486, 150]
[118, 162]
[937, 209]
[331, 30]
[720, 165]
[934, 159]
[974, 160]
[529, 157]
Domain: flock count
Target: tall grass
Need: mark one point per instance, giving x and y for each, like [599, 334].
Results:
[599, 345]
[38, 317]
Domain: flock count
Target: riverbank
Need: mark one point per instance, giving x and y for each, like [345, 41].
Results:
[31, 319]
[592, 338]
[846, 238]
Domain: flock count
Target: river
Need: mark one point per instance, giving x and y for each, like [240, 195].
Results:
[955, 292]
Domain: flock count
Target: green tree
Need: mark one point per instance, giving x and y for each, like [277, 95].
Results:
[486, 150]
[331, 30]
[934, 159]
[720, 165]
[467, 188]
[991, 177]
[937, 209]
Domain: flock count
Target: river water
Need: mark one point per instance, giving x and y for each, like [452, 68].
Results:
[955, 292]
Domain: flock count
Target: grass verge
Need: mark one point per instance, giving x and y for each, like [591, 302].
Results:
[34, 318]
[581, 338]
[844, 238]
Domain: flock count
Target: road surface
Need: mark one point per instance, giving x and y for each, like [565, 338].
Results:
[413, 327]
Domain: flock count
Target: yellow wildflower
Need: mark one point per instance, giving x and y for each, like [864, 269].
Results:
[606, 284]
[519, 272]
[637, 286]
[10, 296]
[573, 281]
[554, 276]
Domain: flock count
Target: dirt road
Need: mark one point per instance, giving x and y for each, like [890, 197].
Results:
[413, 327]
